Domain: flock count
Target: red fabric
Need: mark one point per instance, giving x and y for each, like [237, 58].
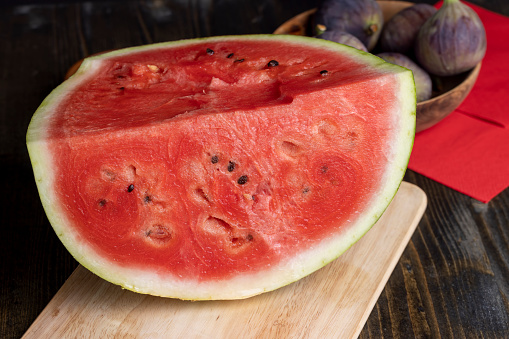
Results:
[469, 150]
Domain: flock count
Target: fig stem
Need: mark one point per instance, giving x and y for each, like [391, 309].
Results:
[320, 29]
[371, 29]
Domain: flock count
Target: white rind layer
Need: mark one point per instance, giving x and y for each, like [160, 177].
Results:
[245, 285]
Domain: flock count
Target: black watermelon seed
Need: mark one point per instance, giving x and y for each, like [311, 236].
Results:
[231, 166]
[147, 199]
[249, 237]
[273, 63]
[229, 55]
[324, 72]
[239, 60]
[242, 180]
[324, 169]
[210, 52]
[214, 159]
[130, 188]
[121, 88]
[102, 202]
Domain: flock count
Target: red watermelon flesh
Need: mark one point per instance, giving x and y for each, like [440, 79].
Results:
[223, 167]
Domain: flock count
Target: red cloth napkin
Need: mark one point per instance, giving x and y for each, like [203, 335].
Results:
[469, 150]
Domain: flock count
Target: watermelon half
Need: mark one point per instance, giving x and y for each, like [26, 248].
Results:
[224, 167]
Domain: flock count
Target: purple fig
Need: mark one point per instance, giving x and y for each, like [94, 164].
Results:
[401, 30]
[361, 18]
[452, 41]
[422, 79]
[343, 38]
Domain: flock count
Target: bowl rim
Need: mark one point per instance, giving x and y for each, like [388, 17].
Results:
[472, 75]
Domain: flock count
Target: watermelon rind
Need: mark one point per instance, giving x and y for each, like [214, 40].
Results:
[248, 284]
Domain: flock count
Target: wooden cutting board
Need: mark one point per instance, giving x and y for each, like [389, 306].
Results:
[333, 302]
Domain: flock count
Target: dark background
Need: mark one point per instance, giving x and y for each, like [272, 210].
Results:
[452, 280]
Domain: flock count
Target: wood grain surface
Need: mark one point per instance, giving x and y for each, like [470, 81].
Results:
[330, 303]
[451, 280]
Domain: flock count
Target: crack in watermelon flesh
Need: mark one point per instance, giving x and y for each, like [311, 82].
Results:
[205, 166]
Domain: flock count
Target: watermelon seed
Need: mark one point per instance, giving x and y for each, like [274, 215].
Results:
[237, 243]
[131, 171]
[326, 128]
[159, 233]
[229, 56]
[214, 159]
[324, 169]
[130, 188]
[239, 60]
[216, 225]
[273, 63]
[121, 88]
[290, 149]
[102, 202]
[147, 199]
[231, 166]
[108, 175]
[153, 68]
[201, 193]
[242, 180]
[249, 237]
[210, 52]
[324, 72]
[305, 190]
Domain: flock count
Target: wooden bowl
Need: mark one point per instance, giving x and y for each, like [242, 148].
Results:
[448, 92]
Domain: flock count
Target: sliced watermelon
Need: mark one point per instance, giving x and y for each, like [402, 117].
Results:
[224, 167]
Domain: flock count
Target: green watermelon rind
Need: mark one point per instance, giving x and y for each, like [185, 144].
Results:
[245, 285]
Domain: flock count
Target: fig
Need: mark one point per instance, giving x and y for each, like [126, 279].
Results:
[361, 18]
[452, 41]
[343, 38]
[400, 32]
[423, 85]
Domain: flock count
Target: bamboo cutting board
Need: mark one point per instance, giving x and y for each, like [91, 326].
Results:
[333, 302]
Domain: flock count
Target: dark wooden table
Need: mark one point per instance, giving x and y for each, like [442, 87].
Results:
[452, 280]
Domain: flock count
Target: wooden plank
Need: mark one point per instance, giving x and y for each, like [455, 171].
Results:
[333, 302]
[452, 278]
